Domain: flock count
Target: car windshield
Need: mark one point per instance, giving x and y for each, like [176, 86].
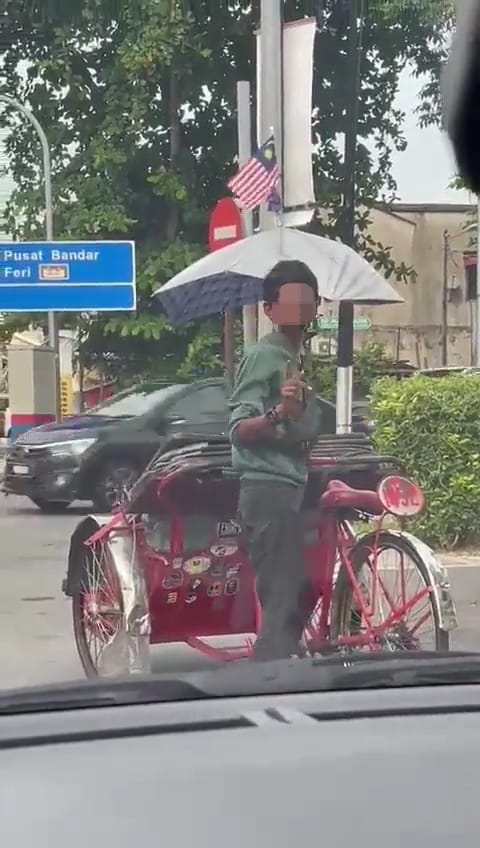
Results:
[135, 401]
[150, 521]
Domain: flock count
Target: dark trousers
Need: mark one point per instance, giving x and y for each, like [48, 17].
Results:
[272, 522]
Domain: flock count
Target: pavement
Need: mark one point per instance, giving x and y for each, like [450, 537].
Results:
[36, 640]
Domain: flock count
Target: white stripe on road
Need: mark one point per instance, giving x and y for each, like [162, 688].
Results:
[470, 562]
[450, 566]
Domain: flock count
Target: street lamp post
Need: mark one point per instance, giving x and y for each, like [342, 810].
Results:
[271, 105]
[53, 338]
[345, 349]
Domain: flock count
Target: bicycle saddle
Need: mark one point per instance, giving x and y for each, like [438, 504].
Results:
[339, 495]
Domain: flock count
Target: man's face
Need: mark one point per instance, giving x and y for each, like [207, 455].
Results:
[296, 306]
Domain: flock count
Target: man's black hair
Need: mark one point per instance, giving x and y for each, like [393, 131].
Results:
[287, 271]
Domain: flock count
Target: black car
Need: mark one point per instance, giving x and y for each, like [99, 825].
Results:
[97, 455]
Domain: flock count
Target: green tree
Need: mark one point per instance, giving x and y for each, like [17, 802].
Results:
[113, 93]
[138, 101]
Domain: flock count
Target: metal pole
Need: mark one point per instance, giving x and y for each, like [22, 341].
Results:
[53, 338]
[446, 239]
[271, 103]
[244, 130]
[229, 346]
[345, 314]
[477, 316]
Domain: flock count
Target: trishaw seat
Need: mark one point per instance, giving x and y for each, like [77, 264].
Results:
[339, 495]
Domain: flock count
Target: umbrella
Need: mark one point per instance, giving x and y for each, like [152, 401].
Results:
[232, 277]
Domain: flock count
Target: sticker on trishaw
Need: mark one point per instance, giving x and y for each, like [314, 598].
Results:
[228, 528]
[214, 590]
[232, 570]
[190, 598]
[195, 585]
[173, 580]
[217, 569]
[224, 550]
[172, 597]
[232, 586]
[197, 565]
[177, 562]
[400, 496]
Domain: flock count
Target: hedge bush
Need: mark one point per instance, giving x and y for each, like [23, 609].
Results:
[433, 425]
[370, 362]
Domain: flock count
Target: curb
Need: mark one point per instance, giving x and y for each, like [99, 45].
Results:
[456, 559]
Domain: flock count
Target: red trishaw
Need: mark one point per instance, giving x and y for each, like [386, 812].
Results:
[171, 564]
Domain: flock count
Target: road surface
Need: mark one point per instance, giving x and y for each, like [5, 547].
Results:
[36, 642]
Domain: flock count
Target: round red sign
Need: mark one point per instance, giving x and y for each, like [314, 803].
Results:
[400, 496]
[226, 225]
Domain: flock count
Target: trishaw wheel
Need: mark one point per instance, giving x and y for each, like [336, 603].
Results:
[97, 608]
[393, 581]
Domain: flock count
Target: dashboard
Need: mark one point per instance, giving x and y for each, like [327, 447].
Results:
[393, 767]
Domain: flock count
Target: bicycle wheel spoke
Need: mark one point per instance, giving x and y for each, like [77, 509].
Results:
[100, 604]
[397, 612]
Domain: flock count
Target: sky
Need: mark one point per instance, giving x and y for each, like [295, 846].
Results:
[424, 170]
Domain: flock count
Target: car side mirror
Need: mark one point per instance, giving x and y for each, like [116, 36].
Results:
[461, 93]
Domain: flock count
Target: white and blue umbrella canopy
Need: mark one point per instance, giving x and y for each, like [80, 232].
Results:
[232, 277]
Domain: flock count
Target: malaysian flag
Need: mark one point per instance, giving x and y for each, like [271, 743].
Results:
[254, 182]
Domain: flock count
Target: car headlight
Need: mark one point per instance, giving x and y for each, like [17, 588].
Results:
[70, 448]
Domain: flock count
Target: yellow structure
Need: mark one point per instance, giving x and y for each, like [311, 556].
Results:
[67, 396]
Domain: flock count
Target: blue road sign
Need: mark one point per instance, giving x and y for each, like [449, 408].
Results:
[67, 276]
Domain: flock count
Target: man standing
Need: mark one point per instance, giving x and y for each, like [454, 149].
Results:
[274, 418]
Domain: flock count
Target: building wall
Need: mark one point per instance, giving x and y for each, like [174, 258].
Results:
[413, 330]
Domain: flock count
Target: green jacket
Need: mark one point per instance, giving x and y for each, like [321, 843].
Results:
[261, 374]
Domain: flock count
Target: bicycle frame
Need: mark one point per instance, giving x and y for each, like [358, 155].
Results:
[341, 540]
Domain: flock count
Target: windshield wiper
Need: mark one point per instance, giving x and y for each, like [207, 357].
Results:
[327, 674]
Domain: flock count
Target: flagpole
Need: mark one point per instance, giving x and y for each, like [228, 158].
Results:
[278, 213]
[244, 131]
[271, 112]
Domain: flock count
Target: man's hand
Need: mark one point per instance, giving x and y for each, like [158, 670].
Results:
[292, 403]
[263, 429]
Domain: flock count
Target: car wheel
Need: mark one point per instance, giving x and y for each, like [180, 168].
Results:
[113, 483]
[51, 506]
